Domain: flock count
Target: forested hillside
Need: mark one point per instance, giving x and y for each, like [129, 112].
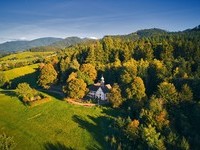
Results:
[157, 76]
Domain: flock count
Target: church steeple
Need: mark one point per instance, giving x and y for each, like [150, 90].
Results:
[102, 81]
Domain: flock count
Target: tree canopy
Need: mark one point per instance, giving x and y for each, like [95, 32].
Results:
[48, 76]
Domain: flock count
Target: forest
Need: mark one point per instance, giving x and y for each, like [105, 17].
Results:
[155, 79]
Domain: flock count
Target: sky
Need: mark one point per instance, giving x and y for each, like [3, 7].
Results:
[31, 19]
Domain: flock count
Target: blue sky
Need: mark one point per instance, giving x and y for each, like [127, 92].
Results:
[30, 19]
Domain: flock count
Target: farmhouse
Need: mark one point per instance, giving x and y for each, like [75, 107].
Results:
[99, 90]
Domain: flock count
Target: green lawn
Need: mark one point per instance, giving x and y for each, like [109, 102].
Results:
[53, 125]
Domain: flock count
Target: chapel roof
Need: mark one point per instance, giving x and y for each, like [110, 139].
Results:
[95, 87]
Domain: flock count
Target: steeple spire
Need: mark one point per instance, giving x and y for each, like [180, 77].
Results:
[102, 81]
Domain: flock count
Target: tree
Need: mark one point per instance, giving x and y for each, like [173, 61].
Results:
[64, 68]
[136, 89]
[186, 93]
[155, 114]
[114, 96]
[74, 65]
[168, 92]
[3, 79]
[152, 138]
[132, 130]
[129, 71]
[184, 144]
[89, 70]
[75, 88]
[157, 72]
[90, 55]
[48, 76]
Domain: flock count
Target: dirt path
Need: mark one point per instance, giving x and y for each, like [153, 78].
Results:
[72, 101]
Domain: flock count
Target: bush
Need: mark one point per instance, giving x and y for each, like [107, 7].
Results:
[28, 94]
[6, 142]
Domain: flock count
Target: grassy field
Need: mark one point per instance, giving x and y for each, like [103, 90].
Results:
[24, 56]
[27, 74]
[53, 125]
[22, 71]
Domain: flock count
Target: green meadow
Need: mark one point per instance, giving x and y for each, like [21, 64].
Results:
[25, 57]
[27, 74]
[53, 125]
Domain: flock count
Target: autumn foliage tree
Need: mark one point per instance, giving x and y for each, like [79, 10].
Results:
[136, 90]
[75, 88]
[48, 76]
[168, 92]
[89, 70]
[114, 96]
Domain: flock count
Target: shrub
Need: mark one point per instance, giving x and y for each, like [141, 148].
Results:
[6, 142]
[28, 94]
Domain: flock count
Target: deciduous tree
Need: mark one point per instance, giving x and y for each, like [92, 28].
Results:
[114, 96]
[48, 76]
[168, 92]
[90, 70]
[75, 88]
[136, 90]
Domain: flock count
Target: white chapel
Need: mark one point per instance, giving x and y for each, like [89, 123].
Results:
[99, 90]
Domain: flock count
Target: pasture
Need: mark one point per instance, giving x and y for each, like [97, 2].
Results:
[27, 74]
[53, 125]
[25, 57]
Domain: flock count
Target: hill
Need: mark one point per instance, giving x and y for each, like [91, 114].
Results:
[141, 34]
[22, 45]
[67, 42]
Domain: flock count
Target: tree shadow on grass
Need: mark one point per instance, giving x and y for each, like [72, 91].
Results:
[8, 93]
[58, 96]
[56, 146]
[30, 78]
[99, 127]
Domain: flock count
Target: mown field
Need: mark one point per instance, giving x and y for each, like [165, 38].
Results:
[21, 71]
[27, 74]
[53, 125]
[25, 57]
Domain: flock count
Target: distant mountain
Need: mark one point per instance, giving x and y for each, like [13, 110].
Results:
[67, 42]
[22, 45]
[150, 32]
[197, 28]
[142, 33]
